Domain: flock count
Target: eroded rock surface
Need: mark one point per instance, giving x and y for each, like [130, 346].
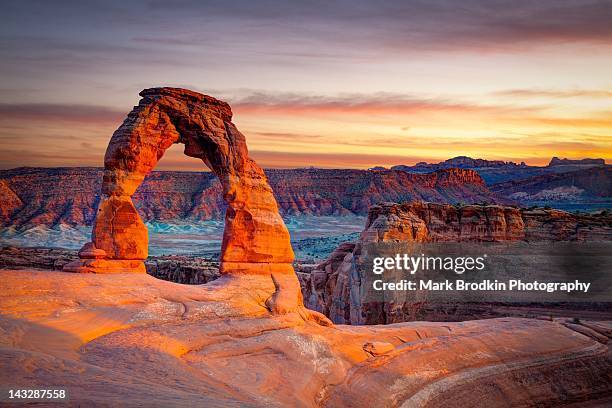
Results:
[133, 340]
[10, 202]
[431, 222]
[333, 287]
[184, 269]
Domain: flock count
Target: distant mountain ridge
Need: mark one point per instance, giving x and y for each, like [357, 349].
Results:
[460, 162]
[555, 161]
[498, 171]
[579, 189]
[51, 196]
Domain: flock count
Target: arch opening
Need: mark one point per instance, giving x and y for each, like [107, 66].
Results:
[178, 204]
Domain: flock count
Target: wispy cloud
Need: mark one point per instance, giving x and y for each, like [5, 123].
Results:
[377, 103]
[60, 113]
[288, 136]
[14, 157]
[270, 159]
[603, 121]
[416, 24]
[556, 93]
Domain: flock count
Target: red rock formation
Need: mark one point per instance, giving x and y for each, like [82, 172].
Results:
[254, 230]
[119, 231]
[10, 203]
[89, 251]
[320, 283]
[52, 196]
[429, 222]
[333, 285]
[255, 240]
[339, 192]
[71, 195]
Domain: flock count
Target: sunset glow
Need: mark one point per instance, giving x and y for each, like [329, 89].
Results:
[319, 85]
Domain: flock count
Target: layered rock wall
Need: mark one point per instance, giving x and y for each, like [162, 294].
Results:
[71, 195]
[333, 287]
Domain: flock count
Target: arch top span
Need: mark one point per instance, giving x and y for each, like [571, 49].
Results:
[255, 238]
[165, 116]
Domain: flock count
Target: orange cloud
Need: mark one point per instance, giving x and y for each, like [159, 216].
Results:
[270, 159]
[555, 93]
[358, 104]
[44, 112]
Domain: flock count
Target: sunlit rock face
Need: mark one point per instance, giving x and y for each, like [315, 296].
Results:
[333, 287]
[142, 341]
[255, 238]
[255, 249]
[10, 202]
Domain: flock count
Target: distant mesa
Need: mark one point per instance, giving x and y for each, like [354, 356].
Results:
[460, 162]
[587, 188]
[465, 162]
[498, 171]
[555, 161]
[71, 195]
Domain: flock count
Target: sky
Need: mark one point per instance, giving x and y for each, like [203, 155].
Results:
[333, 84]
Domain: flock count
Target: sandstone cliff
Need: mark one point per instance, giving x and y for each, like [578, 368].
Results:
[333, 287]
[11, 203]
[39, 196]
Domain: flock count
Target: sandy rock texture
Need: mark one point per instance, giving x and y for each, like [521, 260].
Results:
[133, 340]
[432, 222]
[10, 201]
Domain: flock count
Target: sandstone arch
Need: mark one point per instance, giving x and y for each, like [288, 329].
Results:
[255, 240]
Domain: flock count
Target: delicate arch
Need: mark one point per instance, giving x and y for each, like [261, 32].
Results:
[255, 238]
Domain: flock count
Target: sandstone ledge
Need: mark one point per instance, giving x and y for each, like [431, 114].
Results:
[145, 341]
[105, 266]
